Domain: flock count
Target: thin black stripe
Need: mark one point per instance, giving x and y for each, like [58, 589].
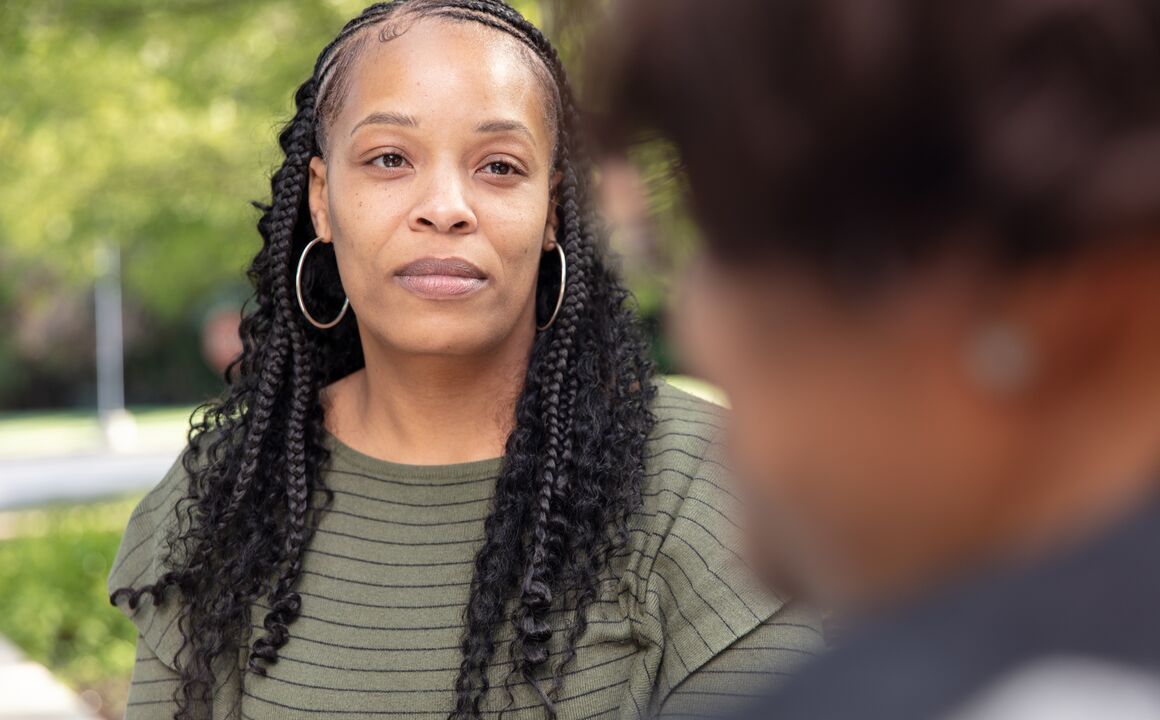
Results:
[404, 483]
[383, 521]
[572, 670]
[434, 543]
[586, 693]
[389, 501]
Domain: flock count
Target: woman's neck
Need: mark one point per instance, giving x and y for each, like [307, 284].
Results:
[429, 410]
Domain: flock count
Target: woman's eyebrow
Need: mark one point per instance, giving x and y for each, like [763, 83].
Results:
[499, 126]
[386, 118]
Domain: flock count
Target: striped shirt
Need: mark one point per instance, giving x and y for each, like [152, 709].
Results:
[678, 622]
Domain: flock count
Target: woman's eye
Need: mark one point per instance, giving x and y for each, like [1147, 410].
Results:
[500, 168]
[390, 160]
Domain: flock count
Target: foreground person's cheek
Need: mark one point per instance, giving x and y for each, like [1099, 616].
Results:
[699, 330]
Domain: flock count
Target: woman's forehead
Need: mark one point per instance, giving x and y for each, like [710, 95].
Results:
[442, 70]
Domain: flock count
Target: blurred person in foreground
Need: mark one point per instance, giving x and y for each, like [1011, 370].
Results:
[931, 290]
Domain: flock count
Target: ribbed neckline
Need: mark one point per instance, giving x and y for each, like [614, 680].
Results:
[345, 454]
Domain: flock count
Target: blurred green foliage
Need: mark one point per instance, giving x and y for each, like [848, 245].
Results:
[150, 124]
[53, 565]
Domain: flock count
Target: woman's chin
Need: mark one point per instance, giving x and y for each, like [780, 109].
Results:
[438, 334]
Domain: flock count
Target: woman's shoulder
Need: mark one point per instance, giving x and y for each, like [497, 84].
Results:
[685, 438]
[152, 520]
[143, 557]
[675, 405]
[685, 484]
[692, 580]
[162, 513]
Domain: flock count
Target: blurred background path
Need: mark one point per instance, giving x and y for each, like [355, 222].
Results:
[81, 476]
[67, 486]
[29, 692]
[52, 457]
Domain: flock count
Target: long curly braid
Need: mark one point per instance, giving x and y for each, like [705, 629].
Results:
[573, 463]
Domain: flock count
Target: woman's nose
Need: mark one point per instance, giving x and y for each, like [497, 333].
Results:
[444, 207]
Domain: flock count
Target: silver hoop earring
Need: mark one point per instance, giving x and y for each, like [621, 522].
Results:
[298, 290]
[560, 297]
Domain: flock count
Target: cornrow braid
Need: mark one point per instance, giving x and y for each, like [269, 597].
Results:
[573, 463]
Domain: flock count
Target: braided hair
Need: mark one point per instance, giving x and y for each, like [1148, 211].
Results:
[573, 464]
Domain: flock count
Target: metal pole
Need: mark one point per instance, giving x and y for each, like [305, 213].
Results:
[110, 338]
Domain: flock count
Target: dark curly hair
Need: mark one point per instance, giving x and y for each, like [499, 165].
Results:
[573, 465]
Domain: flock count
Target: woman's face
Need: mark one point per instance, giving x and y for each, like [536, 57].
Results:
[436, 189]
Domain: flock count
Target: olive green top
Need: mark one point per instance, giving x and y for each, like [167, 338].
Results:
[679, 623]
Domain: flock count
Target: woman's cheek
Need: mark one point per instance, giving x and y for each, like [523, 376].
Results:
[520, 266]
[520, 245]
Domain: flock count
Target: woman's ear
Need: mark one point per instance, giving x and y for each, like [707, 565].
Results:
[319, 204]
[553, 221]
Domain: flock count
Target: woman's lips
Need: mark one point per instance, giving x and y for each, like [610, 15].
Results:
[441, 277]
[440, 286]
